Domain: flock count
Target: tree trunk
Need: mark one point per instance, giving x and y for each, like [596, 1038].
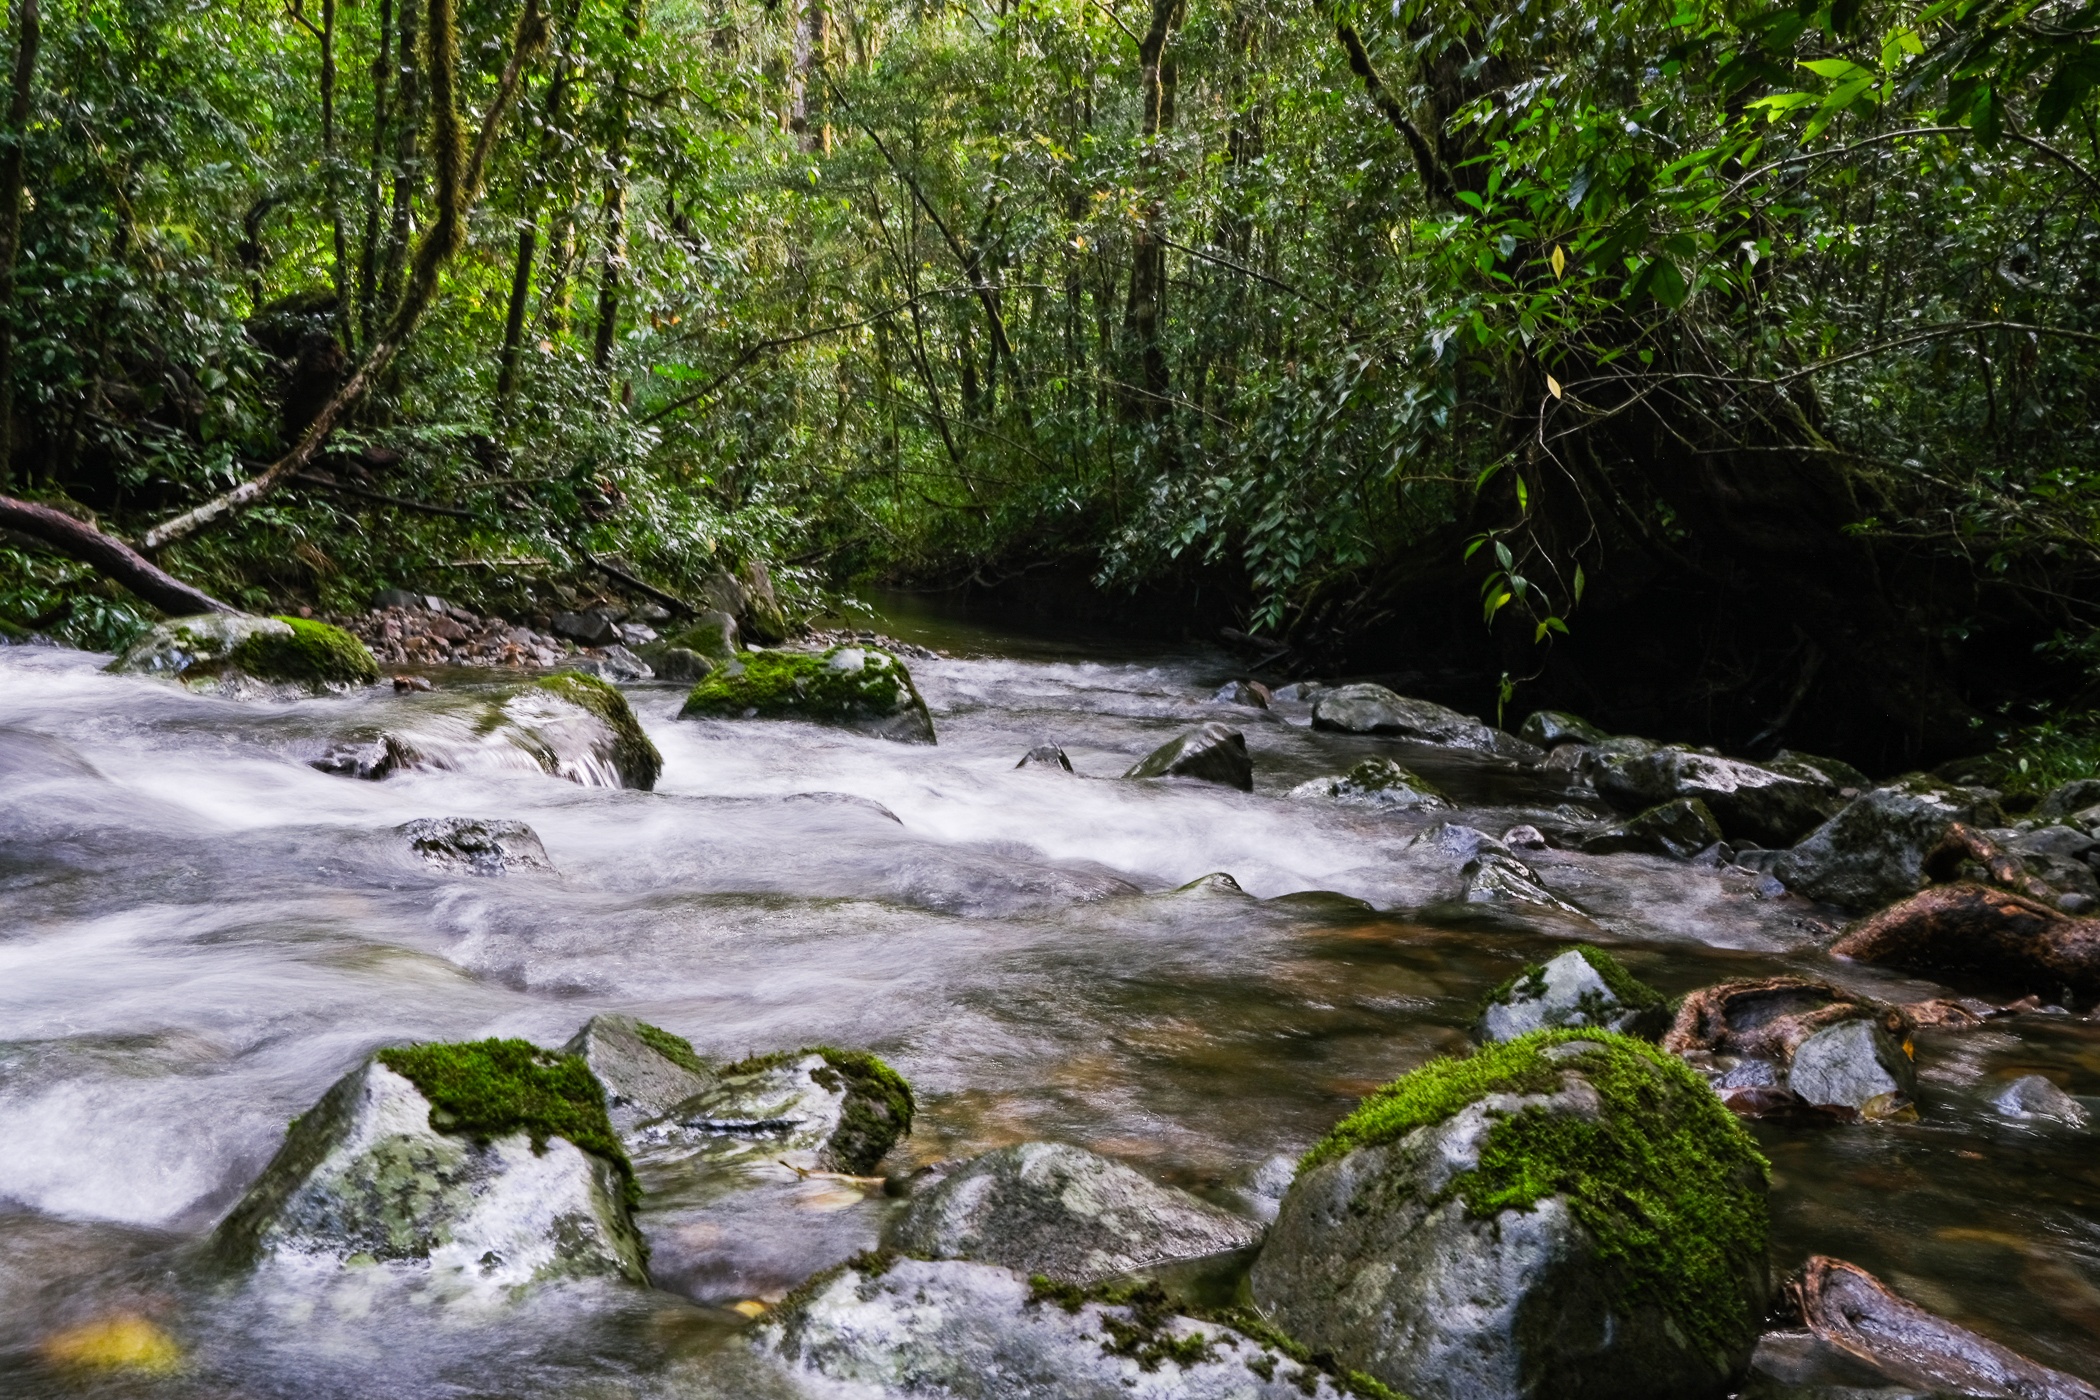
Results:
[529, 222]
[368, 253]
[108, 556]
[611, 270]
[331, 166]
[1145, 312]
[28, 33]
[407, 165]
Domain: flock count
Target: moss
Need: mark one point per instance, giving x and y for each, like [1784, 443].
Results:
[872, 1264]
[675, 1048]
[1382, 775]
[1658, 1179]
[1632, 992]
[315, 654]
[774, 684]
[486, 1089]
[879, 1104]
[633, 753]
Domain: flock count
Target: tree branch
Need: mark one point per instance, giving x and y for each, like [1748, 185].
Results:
[1433, 174]
[108, 556]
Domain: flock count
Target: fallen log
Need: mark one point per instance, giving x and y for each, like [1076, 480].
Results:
[108, 556]
[1765, 1018]
[1848, 1308]
[1989, 936]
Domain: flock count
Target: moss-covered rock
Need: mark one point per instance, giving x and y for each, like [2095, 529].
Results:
[1873, 851]
[857, 687]
[1584, 986]
[1569, 1213]
[1209, 753]
[633, 755]
[1682, 829]
[1377, 782]
[481, 1165]
[646, 1072]
[566, 725]
[233, 653]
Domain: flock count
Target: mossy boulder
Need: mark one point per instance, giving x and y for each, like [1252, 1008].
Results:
[1376, 782]
[1064, 1212]
[566, 725]
[1572, 1213]
[474, 1166]
[1681, 829]
[1584, 986]
[857, 687]
[646, 1072]
[1873, 851]
[234, 653]
[819, 1108]
[1750, 802]
[1549, 729]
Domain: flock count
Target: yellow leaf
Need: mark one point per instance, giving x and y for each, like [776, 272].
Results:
[1560, 262]
[749, 1307]
[1553, 386]
[120, 1342]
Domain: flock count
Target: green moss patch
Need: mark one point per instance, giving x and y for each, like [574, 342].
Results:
[675, 1048]
[801, 685]
[486, 1089]
[1658, 1179]
[879, 1103]
[1632, 992]
[633, 754]
[315, 654]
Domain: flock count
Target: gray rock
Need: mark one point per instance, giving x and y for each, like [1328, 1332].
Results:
[1252, 694]
[363, 1177]
[396, 598]
[1827, 772]
[473, 846]
[1376, 782]
[1048, 1208]
[952, 1330]
[1853, 1064]
[1750, 803]
[642, 1083]
[817, 1109]
[2070, 799]
[1681, 829]
[593, 629]
[1873, 852]
[1549, 729]
[1210, 753]
[1372, 709]
[679, 664]
[565, 725]
[712, 634]
[1572, 990]
[1493, 878]
[1525, 838]
[1377, 1258]
[237, 655]
[1299, 692]
[1046, 756]
[2031, 1096]
[2066, 841]
[613, 663]
[1458, 843]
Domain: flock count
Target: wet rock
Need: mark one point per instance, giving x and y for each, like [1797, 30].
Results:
[595, 628]
[681, 664]
[1680, 829]
[821, 1108]
[2067, 800]
[2054, 840]
[236, 654]
[566, 725]
[472, 846]
[1848, 1308]
[1372, 709]
[1046, 756]
[369, 759]
[1874, 850]
[1299, 692]
[1848, 782]
[952, 1330]
[646, 1072]
[857, 688]
[1525, 838]
[1218, 882]
[1582, 987]
[1854, 1064]
[1749, 802]
[1252, 694]
[484, 1166]
[1497, 877]
[1061, 1211]
[1549, 729]
[1971, 933]
[1423, 1242]
[1376, 782]
[613, 663]
[1211, 753]
[712, 634]
[2031, 1096]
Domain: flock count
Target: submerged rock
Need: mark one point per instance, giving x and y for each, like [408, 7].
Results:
[822, 1108]
[952, 1330]
[475, 847]
[233, 653]
[2031, 1096]
[1746, 1037]
[565, 725]
[1854, 1064]
[1680, 829]
[1047, 1208]
[1969, 932]
[1210, 753]
[488, 1164]
[646, 1072]
[1584, 986]
[854, 687]
[1750, 803]
[1372, 709]
[1874, 850]
[1466, 1232]
[1046, 756]
[1376, 782]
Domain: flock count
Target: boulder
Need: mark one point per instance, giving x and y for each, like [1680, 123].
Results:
[885, 1328]
[1873, 851]
[1252, 694]
[1972, 933]
[1549, 729]
[712, 634]
[2067, 800]
[1832, 773]
[1682, 829]
[613, 663]
[2031, 1096]
[1046, 756]
[1376, 782]
[566, 725]
[1750, 803]
[1745, 1037]
[820, 1109]
[232, 653]
[1467, 1233]
[1211, 753]
[1849, 1309]
[488, 1165]
[855, 687]
[595, 628]
[473, 846]
[1047, 1208]
[681, 664]
[1372, 709]
[1584, 986]
[1497, 877]
[644, 1071]
[1854, 1064]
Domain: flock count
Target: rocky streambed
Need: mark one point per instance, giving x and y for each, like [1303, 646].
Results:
[1144, 1033]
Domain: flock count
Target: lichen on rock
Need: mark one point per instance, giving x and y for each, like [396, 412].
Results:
[820, 1107]
[857, 687]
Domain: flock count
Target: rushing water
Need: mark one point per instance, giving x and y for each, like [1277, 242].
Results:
[201, 933]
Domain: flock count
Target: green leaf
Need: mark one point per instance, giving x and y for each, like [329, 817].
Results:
[1580, 581]
[1666, 283]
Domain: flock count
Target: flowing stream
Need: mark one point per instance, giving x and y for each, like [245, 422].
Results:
[201, 933]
